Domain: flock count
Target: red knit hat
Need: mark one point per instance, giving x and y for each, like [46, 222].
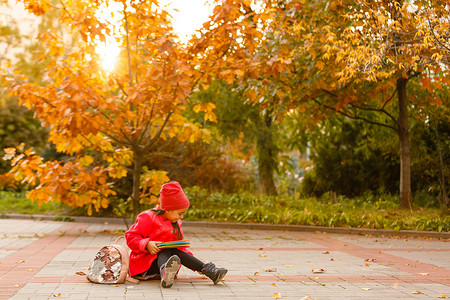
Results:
[172, 197]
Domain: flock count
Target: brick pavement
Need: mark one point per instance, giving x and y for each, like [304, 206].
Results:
[41, 259]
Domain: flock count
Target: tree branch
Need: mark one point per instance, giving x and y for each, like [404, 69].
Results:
[354, 116]
[158, 134]
[434, 35]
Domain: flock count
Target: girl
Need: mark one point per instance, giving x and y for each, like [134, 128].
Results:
[163, 224]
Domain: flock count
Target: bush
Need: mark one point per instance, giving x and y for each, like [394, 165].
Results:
[17, 126]
[200, 164]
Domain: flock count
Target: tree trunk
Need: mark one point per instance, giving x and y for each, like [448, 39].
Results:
[444, 196]
[403, 134]
[266, 156]
[136, 184]
[265, 173]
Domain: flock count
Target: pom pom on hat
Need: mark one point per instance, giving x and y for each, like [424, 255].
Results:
[172, 197]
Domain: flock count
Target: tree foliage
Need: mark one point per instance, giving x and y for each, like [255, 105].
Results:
[107, 122]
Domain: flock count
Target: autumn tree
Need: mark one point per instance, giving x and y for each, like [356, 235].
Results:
[354, 58]
[379, 42]
[108, 122]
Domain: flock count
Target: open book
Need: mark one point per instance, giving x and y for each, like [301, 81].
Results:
[174, 244]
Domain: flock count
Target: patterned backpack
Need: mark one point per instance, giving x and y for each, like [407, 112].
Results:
[110, 264]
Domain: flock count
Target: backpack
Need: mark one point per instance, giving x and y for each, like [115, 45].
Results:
[110, 264]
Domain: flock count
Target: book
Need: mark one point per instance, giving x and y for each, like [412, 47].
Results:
[174, 244]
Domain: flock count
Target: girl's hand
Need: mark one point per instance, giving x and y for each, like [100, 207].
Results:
[151, 247]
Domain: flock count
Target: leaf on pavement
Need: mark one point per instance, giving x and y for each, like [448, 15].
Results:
[270, 270]
[276, 296]
[318, 270]
[417, 292]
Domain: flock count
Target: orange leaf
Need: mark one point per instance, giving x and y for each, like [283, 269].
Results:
[276, 296]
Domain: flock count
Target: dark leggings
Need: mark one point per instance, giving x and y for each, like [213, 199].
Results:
[187, 260]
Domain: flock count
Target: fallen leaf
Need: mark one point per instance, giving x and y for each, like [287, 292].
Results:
[270, 270]
[130, 287]
[288, 266]
[423, 274]
[274, 284]
[262, 255]
[256, 273]
[30, 270]
[57, 295]
[366, 289]
[80, 273]
[332, 259]
[307, 297]
[276, 296]
[115, 285]
[261, 249]
[442, 296]
[367, 265]
[318, 270]
[417, 292]
[17, 285]
[326, 252]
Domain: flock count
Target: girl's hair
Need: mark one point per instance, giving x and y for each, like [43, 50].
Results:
[176, 227]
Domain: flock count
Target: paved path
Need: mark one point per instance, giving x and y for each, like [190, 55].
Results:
[41, 259]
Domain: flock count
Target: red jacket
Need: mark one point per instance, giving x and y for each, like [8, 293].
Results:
[148, 227]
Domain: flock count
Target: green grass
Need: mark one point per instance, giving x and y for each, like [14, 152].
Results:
[382, 212]
[17, 203]
[370, 211]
